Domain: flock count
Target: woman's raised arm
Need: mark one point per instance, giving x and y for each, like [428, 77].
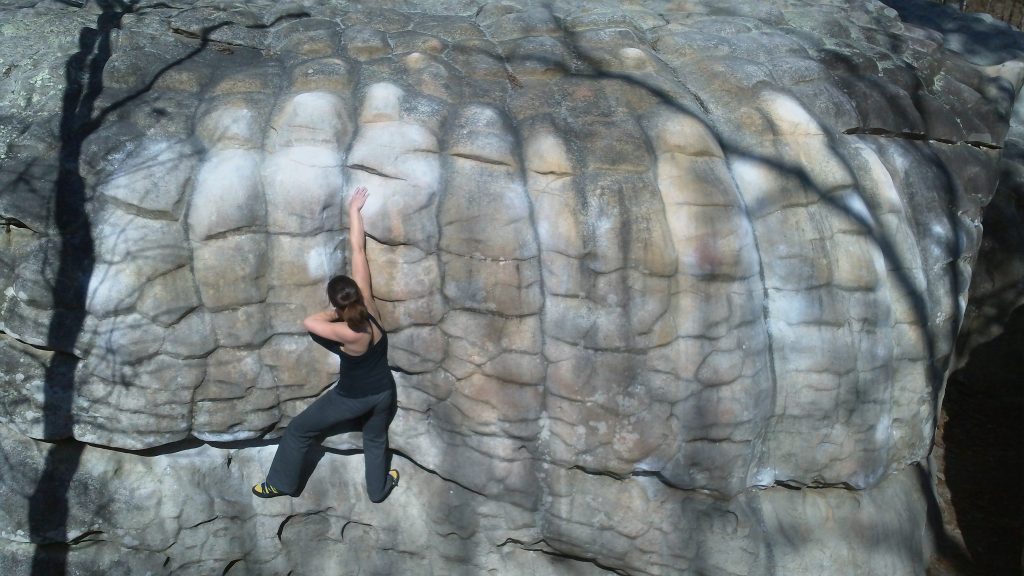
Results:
[357, 240]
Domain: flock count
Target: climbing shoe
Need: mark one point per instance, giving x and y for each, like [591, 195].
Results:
[264, 490]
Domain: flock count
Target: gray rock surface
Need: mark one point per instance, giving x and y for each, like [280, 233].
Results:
[672, 287]
[191, 524]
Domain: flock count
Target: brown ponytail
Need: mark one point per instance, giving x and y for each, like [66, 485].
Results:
[347, 299]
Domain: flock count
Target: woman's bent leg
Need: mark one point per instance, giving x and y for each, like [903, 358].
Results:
[375, 447]
[327, 411]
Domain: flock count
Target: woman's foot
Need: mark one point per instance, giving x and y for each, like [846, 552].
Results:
[264, 490]
[393, 475]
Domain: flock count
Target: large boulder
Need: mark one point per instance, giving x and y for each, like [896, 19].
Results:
[672, 287]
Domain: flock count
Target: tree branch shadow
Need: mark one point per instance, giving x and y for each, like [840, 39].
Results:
[49, 503]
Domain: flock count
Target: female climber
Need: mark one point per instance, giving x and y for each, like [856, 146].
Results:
[365, 390]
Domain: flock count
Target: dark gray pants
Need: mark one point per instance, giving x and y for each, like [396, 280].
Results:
[329, 411]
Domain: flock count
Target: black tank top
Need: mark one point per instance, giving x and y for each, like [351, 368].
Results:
[368, 373]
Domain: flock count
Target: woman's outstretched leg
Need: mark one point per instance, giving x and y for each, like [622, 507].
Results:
[375, 448]
[326, 412]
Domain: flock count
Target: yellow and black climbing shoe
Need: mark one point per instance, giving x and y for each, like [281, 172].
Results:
[393, 475]
[264, 490]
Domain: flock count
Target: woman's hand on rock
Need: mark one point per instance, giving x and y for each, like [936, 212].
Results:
[358, 199]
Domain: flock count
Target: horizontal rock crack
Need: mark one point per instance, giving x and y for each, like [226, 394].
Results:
[40, 347]
[12, 222]
[797, 485]
[435, 473]
[885, 133]
[84, 537]
[207, 521]
[482, 159]
[552, 551]
[646, 474]
[374, 171]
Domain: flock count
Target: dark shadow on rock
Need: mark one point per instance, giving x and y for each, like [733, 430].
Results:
[950, 557]
[48, 509]
[984, 452]
[48, 505]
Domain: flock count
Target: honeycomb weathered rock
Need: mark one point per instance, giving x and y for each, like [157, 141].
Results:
[638, 261]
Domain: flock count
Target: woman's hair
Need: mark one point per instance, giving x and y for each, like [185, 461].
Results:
[344, 294]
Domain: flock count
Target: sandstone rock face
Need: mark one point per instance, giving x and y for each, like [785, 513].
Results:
[672, 287]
